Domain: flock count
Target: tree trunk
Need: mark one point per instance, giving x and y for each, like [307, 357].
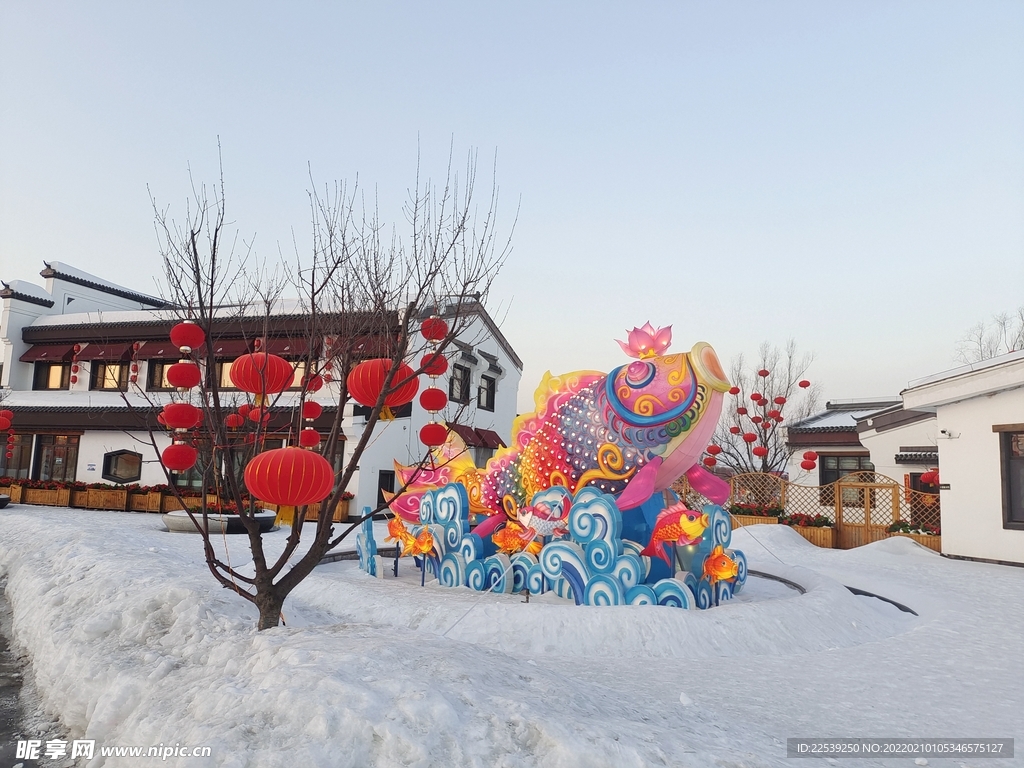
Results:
[270, 605]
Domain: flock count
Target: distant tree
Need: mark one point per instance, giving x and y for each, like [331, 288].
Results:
[766, 395]
[1004, 334]
[363, 292]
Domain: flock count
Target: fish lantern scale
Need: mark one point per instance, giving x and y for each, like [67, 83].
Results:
[289, 477]
[366, 382]
[262, 374]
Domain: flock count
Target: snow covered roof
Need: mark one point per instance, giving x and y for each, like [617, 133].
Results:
[987, 377]
[66, 272]
[26, 291]
[842, 415]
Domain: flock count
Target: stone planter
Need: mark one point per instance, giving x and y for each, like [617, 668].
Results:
[179, 522]
[819, 537]
[740, 520]
[925, 540]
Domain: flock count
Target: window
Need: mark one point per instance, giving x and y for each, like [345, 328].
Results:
[156, 377]
[458, 387]
[21, 458]
[485, 393]
[122, 466]
[52, 376]
[401, 412]
[1012, 459]
[831, 468]
[224, 375]
[481, 455]
[385, 482]
[56, 458]
[109, 376]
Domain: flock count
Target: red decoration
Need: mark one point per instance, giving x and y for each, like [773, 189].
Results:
[311, 410]
[433, 399]
[763, 373]
[160, 419]
[7, 414]
[756, 396]
[434, 364]
[804, 384]
[234, 420]
[262, 374]
[5, 423]
[181, 415]
[178, 457]
[741, 411]
[74, 379]
[433, 434]
[187, 335]
[710, 461]
[780, 400]
[766, 425]
[77, 348]
[10, 454]
[259, 414]
[756, 419]
[808, 465]
[810, 455]
[714, 450]
[759, 451]
[434, 329]
[135, 368]
[735, 430]
[244, 409]
[308, 438]
[75, 368]
[289, 476]
[734, 390]
[184, 375]
[774, 413]
[366, 382]
[313, 383]
[749, 437]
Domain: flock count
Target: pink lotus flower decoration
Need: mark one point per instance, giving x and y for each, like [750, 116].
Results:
[647, 341]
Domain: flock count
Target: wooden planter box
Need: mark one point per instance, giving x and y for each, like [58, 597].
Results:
[15, 491]
[924, 539]
[741, 520]
[138, 502]
[79, 499]
[313, 511]
[100, 498]
[819, 537]
[60, 497]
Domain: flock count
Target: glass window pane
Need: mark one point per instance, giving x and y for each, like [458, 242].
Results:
[849, 463]
[829, 462]
[225, 375]
[53, 380]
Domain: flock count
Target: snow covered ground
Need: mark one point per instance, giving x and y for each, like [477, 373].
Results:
[133, 644]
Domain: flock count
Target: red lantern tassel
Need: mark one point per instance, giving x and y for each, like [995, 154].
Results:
[285, 515]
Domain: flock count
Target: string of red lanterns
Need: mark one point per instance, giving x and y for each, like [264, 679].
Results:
[181, 416]
[434, 399]
[6, 419]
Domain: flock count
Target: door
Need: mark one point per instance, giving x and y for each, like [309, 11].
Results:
[56, 458]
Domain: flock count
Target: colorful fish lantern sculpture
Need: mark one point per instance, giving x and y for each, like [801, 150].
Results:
[630, 433]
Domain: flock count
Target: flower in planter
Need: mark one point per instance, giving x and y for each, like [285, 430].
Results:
[806, 521]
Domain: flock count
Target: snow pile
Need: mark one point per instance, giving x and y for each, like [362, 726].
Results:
[134, 644]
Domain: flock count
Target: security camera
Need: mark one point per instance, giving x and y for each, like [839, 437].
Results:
[943, 431]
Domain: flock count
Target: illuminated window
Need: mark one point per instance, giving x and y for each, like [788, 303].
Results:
[52, 376]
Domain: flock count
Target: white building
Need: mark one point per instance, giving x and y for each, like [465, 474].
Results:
[980, 436]
[78, 416]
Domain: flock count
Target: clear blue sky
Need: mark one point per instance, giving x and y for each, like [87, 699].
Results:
[847, 174]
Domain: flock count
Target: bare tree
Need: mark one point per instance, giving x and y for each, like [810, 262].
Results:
[987, 340]
[752, 426]
[361, 293]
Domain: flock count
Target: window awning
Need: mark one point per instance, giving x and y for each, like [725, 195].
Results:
[104, 351]
[158, 350]
[49, 352]
[477, 438]
[224, 348]
[286, 347]
[491, 438]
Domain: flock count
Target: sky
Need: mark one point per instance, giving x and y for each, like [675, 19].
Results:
[849, 175]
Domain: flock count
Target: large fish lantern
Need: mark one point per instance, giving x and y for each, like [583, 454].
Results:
[631, 432]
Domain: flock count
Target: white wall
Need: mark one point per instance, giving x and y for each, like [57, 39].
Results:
[886, 444]
[94, 443]
[16, 315]
[972, 508]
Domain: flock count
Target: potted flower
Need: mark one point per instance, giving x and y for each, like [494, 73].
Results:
[925, 534]
[817, 529]
[752, 513]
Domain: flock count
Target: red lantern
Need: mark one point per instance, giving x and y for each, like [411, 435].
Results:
[5, 423]
[313, 383]
[710, 461]
[804, 384]
[774, 413]
[7, 414]
[756, 419]
[756, 396]
[234, 420]
[714, 450]
[77, 348]
[366, 382]
[184, 375]
[262, 374]
[311, 410]
[760, 451]
[433, 434]
[289, 477]
[328, 378]
[810, 456]
[434, 364]
[433, 399]
[308, 438]
[10, 454]
[749, 437]
[808, 465]
[735, 430]
[734, 390]
[187, 334]
[741, 411]
[434, 329]
[244, 409]
[780, 400]
[181, 415]
[763, 373]
[259, 414]
[75, 368]
[763, 401]
[178, 457]
[766, 425]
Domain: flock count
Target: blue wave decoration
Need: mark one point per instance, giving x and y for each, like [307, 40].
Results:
[366, 546]
[724, 590]
[451, 503]
[453, 570]
[600, 556]
[603, 589]
[719, 530]
[641, 595]
[674, 593]
[566, 559]
[536, 581]
[564, 590]
[741, 576]
[498, 573]
[629, 570]
[521, 564]
[595, 516]
[471, 548]
[704, 595]
[476, 575]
